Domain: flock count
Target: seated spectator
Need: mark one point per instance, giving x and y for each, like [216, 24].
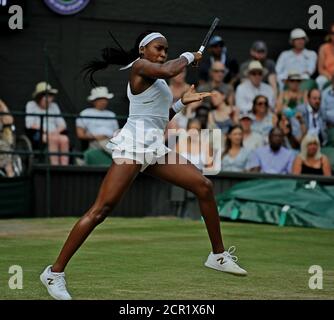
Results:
[252, 87]
[6, 142]
[273, 158]
[93, 130]
[310, 160]
[326, 60]
[178, 86]
[264, 120]
[235, 155]
[259, 52]
[181, 119]
[55, 127]
[222, 116]
[251, 139]
[218, 52]
[292, 137]
[217, 73]
[313, 117]
[202, 114]
[191, 147]
[292, 96]
[327, 104]
[298, 58]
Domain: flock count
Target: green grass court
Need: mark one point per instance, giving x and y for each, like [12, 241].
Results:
[162, 258]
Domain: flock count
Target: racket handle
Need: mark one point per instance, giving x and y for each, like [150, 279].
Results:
[201, 49]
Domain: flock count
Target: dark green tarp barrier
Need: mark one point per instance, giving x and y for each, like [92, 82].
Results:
[283, 202]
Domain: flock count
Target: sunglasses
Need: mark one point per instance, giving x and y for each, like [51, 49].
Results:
[261, 103]
[218, 70]
[256, 73]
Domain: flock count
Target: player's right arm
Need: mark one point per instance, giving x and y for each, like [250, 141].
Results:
[169, 69]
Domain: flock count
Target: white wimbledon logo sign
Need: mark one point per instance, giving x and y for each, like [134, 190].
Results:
[66, 7]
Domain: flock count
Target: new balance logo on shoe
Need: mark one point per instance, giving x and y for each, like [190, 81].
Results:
[50, 281]
[221, 261]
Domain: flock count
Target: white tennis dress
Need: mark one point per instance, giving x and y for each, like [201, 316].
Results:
[142, 137]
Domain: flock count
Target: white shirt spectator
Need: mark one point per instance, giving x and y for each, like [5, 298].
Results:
[246, 92]
[253, 141]
[303, 63]
[54, 123]
[93, 126]
[236, 164]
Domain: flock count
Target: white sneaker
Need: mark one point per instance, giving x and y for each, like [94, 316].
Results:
[55, 283]
[225, 262]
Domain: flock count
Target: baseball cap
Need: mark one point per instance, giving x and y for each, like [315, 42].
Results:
[259, 46]
[215, 40]
[244, 115]
[297, 34]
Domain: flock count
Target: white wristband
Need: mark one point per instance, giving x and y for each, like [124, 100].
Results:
[178, 106]
[189, 56]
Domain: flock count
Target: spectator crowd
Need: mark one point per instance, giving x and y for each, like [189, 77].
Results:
[273, 116]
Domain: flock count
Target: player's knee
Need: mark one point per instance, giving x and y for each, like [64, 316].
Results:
[100, 212]
[205, 188]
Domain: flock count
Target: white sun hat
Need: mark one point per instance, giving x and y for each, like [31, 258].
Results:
[43, 87]
[100, 92]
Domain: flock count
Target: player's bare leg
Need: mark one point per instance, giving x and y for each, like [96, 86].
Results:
[190, 178]
[114, 186]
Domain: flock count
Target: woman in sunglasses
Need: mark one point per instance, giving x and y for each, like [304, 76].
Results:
[264, 119]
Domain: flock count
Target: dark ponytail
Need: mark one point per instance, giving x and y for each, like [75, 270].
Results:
[112, 56]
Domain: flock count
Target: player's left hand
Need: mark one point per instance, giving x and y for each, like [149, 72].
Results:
[192, 96]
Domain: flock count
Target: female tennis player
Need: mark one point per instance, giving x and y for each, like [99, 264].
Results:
[136, 148]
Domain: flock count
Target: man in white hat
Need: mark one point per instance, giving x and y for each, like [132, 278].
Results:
[259, 52]
[252, 87]
[298, 58]
[93, 130]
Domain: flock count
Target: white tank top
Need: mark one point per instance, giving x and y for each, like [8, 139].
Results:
[148, 118]
[153, 102]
